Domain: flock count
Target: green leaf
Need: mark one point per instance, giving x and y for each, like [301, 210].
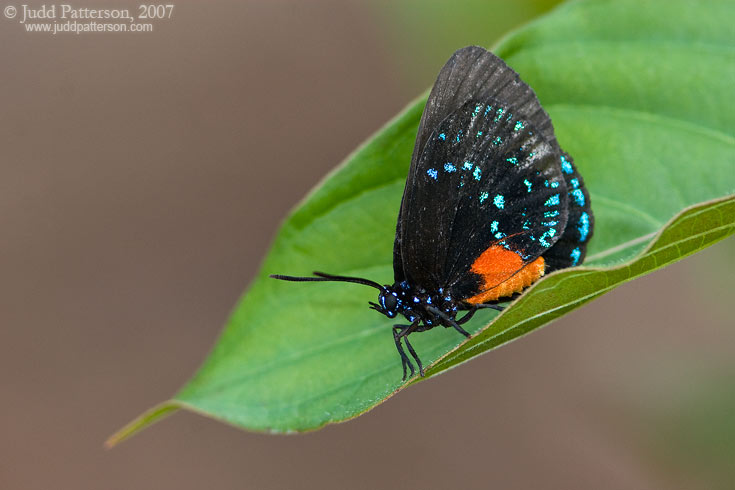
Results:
[640, 95]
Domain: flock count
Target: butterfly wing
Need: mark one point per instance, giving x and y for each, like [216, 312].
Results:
[571, 248]
[477, 74]
[472, 73]
[485, 178]
[444, 224]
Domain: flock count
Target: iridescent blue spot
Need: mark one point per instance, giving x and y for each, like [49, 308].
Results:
[499, 235]
[549, 223]
[552, 201]
[566, 167]
[519, 125]
[551, 214]
[467, 166]
[428, 300]
[476, 111]
[498, 140]
[527, 225]
[499, 201]
[432, 173]
[479, 133]
[584, 226]
[488, 109]
[442, 136]
[554, 185]
[578, 196]
[575, 183]
[544, 238]
[459, 134]
[449, 167]
[477, 173]
[512, 160]
[528, 184]
[531, 155]
[499, 114]
[575, 255]
[494, 226]
[483, 196]
[546, 183]
[416, 299]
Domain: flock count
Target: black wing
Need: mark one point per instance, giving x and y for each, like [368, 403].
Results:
[486, 176]
[571, 248]
[472, 73]
[475, 73]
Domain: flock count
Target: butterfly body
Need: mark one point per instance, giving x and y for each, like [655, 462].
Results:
[491, 202]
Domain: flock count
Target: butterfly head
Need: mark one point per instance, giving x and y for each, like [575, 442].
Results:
[389, 304]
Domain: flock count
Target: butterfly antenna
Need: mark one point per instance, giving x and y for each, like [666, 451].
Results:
[324, 277]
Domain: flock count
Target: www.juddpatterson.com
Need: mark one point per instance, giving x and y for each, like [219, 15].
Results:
[79, 27]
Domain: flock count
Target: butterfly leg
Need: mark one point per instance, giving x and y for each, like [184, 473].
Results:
[459, 329]
[448, 321]
[397, 329]
[474, 309]
[415, 356]
[494, 307]
[467, 317]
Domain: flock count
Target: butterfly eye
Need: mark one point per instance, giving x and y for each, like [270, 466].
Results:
[389, 302]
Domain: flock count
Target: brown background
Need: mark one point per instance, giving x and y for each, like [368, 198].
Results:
[142, 178]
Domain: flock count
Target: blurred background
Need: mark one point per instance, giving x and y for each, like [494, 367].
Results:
[142, 178]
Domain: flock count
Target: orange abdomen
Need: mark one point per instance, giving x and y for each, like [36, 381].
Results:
[503, 274]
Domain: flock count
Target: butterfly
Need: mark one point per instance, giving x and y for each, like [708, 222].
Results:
[491, 203]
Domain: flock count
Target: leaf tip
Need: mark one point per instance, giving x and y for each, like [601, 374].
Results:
[149, 417]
